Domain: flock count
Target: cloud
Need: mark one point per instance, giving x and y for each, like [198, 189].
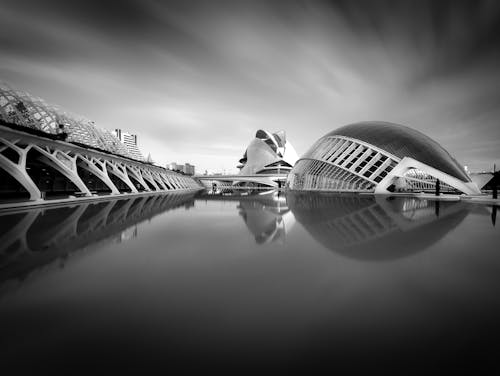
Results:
[198, 75]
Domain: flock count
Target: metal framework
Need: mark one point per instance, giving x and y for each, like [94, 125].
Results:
[26, 110]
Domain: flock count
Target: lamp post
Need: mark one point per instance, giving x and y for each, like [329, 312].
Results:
[494, 183]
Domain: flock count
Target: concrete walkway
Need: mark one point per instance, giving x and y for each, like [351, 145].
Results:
[488, 200]
[11, 206]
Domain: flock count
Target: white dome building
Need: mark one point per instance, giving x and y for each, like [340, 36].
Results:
[268, 153]
[379, 157]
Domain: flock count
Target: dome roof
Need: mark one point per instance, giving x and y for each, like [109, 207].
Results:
[403, 142]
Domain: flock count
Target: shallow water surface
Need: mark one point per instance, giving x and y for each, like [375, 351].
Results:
[251, 282]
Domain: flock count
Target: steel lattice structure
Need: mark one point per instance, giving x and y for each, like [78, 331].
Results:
[32, 112]
[29, 125]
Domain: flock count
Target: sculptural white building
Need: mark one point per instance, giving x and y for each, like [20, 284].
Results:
[378, 157]
[268, 153]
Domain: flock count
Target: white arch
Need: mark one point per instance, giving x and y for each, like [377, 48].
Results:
[166, 181]
[159, 180]
[98, 168]
[136, 174]
[147, 176]
[21, 176]
[121, 172]
[65, 164]
[408, 163]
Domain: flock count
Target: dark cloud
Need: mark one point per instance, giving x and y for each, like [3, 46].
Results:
[191, 74]
[122, 17]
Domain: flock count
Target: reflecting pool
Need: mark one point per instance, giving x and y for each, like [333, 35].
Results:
[255, 282]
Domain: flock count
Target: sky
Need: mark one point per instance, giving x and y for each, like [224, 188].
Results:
[196, 79]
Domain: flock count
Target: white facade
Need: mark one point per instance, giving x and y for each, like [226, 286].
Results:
[340, 163]
[268, 153]
[186, 168]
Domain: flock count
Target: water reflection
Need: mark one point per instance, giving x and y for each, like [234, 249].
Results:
[265, 213]
[36, 237]
[194, 285]
[369, 228]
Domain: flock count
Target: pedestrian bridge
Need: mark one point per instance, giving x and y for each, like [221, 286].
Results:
[250, 181]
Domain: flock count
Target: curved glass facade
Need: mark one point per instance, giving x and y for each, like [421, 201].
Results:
[362, 157]
[314, 175]
[403, 142]
[350, 160]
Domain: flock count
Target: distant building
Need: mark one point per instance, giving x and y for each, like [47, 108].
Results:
[173, 166]
[186, 169]
[130, 142]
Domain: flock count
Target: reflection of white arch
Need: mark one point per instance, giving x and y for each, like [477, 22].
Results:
[17, 233]
[67, 228]
[408, 163]
[85, 223]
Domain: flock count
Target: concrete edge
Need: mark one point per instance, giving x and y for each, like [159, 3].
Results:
[14, 206]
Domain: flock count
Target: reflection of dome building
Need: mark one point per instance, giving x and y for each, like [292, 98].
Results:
[268, 217]
[380, 157]
[268, 154]
[368, 228]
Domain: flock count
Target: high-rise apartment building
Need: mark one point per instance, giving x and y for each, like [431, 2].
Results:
[130, 142]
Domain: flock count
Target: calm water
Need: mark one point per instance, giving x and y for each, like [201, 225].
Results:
[251, 283]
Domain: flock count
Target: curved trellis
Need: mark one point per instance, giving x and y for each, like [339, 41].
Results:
[26, 110]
